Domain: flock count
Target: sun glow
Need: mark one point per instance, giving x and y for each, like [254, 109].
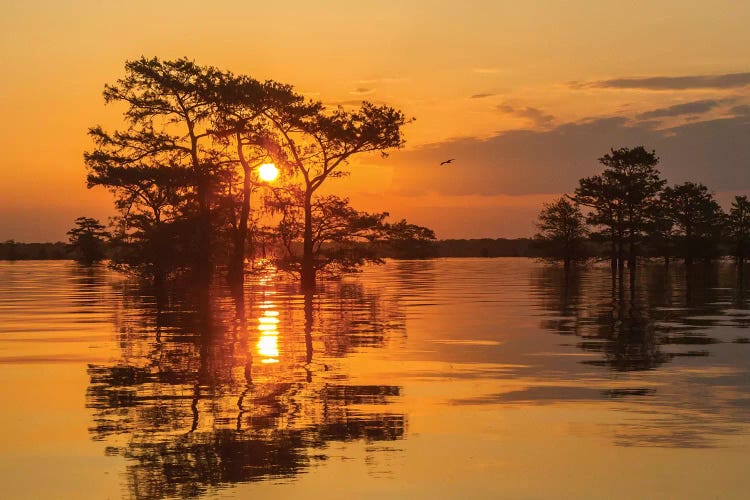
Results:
[268, 343]
[268, 172]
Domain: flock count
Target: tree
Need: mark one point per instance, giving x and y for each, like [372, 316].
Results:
[625, 200]
[317, 145]
[242, 104]
[402, 240]
[152, 234]
[342, 238]
[169, 106]
[697, 218]
[184, 170]
[662, 235]
[562, 231]
[738, 228]
[88, 239]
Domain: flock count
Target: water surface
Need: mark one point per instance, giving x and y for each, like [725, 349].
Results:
[444, 378]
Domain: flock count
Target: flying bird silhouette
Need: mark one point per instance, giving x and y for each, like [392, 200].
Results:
[447, 161]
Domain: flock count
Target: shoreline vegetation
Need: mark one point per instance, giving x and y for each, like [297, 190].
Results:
[197, 144]
[473, 247]
[12, 250]
[628, 213]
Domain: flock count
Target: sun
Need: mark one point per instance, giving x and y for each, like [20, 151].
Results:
[268, 172]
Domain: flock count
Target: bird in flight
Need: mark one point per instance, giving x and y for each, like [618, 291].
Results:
[447, 161]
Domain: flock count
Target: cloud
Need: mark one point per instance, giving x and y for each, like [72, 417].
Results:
[536, 116]
[715, 152]
[741, 110]
[726, 81]
[687, 108]
[362, 91]
[481, 96]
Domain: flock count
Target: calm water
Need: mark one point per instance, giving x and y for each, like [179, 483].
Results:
[448, 378]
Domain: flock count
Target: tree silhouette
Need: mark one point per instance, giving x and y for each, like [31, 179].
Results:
[317, 145]
[697, 218]
[88, 239]
[738, 227]
[152, 235]
[624, 199]
[661, 240]
[562, 231]
[241, 121]
[169, 106]
[402, 240]
[184, 169]
[341, 237]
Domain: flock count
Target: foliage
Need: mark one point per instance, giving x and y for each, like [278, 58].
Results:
[14, 250]
[342, 237]
[624, 200]
[165, 166]
[697, 218]
[402, 240]
[184, 169]
[88, 240]
[562, 231]
[738, 227]
[316, 145]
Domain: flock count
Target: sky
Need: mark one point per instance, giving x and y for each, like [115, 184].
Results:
[525, 95]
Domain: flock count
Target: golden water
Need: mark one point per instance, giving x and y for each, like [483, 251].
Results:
[423, 379]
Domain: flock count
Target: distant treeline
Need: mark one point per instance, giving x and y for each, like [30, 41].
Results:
[484, 247]
[13, 250]
[628, 213]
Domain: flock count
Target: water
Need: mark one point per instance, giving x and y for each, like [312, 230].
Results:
[424, 379]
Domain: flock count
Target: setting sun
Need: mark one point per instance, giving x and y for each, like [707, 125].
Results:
[500, 235]
[268, 172]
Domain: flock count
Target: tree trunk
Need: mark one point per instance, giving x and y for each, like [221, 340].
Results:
[308, 262]
[237, 266]
[740, 254]
[620, 258]
[203, 266]
[632, 264]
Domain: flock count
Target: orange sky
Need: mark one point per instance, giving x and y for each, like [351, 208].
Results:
[525, 95]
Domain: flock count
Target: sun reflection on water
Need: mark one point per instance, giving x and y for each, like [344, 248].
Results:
[268, 343]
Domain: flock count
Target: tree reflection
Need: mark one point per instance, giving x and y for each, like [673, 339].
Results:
[222, 385]
[634, 326]
[669, 314]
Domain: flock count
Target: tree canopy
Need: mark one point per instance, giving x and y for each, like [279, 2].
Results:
[183, 170]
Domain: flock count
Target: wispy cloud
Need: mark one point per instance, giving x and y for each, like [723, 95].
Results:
[741, 110]
[725, 81]
[552, 160]
[481, 96]
[538, 117]
[687, 108]
[362, 91]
